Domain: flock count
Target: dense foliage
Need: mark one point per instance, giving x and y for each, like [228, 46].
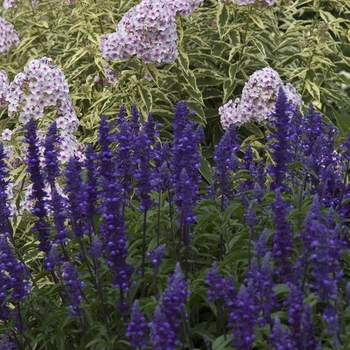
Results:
[174, 174]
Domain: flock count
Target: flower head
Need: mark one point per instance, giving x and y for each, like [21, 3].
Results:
[136, 329]
[73, 288]
[41, 85]
[258, 99]
[147, 30]
[8, 36]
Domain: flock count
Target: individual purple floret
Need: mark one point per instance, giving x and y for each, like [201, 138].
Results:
[51, 168]
[36, 178]
[223, 152]
[282, 239]
[283, 147]
[157, 255]
[73, 287]
[14, 286]
[52, 259]
[280, 338]
[243, 317]
[136, 329]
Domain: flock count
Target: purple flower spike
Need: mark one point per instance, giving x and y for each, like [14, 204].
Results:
[282, 239]
[136, 329]
[243, 318]
[4, 208]
[73, 288]
[223, 152]
[162, 332]
[185, 162]
[52, 259]
[6, 344]
[51, 168]
[165, 320]
[300, 322]
[59, 217]
[174, 297]
[77, 197]
[14, 285]
[157, 255]
[280, 337]
[330, 315]
[283, 149]
[143, 175]
[96, 248]
[218, 285]
[37, 179]
[91, 184]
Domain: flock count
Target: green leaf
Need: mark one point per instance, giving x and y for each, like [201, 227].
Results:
[257, 20]
[313, 89]
[76, 57]
[299, 72]
[152, 71]
[222, 344]
[146, 97]
[259, 46]
[206, 171]
[192, 87]
[184, 61]
[222, 18]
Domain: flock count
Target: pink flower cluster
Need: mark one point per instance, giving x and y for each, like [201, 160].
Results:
[8, 36]
[258, 99]
[183, 7]
[41, 85]
[9, 3]
[4, 87]
[248, 2]
[148, 31]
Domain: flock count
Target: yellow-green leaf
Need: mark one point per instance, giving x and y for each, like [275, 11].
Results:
[313, 89]
[183, 60]
[257, 20]
[76, 57]
[146, 97]
[222, 18]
